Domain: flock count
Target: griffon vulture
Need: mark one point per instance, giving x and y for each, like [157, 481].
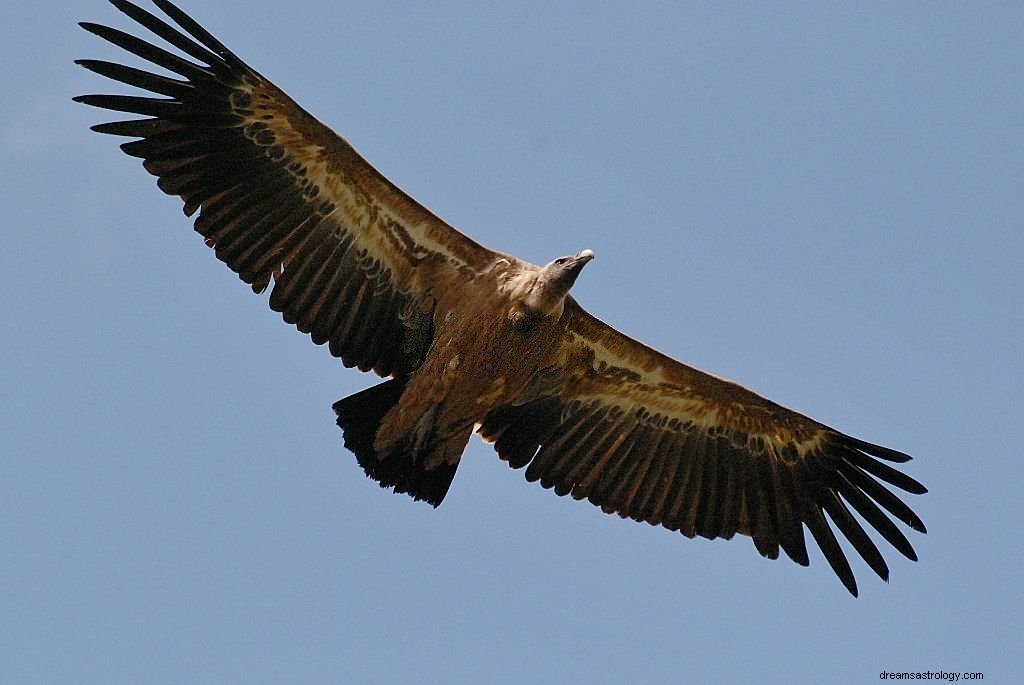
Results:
[476, 340]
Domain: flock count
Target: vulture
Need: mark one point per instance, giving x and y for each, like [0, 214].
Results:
[469, 339]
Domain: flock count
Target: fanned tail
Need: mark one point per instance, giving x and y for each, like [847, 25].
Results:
[360, 416]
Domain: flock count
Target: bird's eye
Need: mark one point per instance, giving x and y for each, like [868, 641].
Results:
[561, 260]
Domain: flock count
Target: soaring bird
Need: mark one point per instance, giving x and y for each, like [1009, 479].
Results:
[475, 340]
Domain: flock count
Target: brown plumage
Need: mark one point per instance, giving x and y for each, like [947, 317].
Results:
[476, 340]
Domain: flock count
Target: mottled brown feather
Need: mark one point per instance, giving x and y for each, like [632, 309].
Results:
[706, 456]
[273, 186]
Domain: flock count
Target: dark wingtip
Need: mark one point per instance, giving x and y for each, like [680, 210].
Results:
[94, 28]
[918, 489]
[878, 451]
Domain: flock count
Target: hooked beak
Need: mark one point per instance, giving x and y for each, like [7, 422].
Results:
[583, 256]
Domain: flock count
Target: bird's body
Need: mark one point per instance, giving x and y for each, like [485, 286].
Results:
[495, 345]
[481, 345]
[471, 339]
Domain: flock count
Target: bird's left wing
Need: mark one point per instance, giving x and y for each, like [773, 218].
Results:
[355, 262]
[640, 434]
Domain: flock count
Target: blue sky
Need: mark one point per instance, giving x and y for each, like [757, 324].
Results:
[822, 201]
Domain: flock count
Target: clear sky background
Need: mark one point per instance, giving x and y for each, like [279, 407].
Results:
[822, 201]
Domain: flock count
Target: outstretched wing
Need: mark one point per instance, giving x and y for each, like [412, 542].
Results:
[642, 435]
[355, 262]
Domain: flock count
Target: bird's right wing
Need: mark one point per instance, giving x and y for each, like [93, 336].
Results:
[641, 434]
[355, 262]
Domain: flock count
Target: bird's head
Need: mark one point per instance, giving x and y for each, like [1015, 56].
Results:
[561, 274]
[543, 290]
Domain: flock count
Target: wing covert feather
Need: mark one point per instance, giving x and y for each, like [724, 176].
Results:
[282, 199]
[647, 437]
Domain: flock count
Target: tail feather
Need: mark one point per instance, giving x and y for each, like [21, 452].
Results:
[360, 416]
